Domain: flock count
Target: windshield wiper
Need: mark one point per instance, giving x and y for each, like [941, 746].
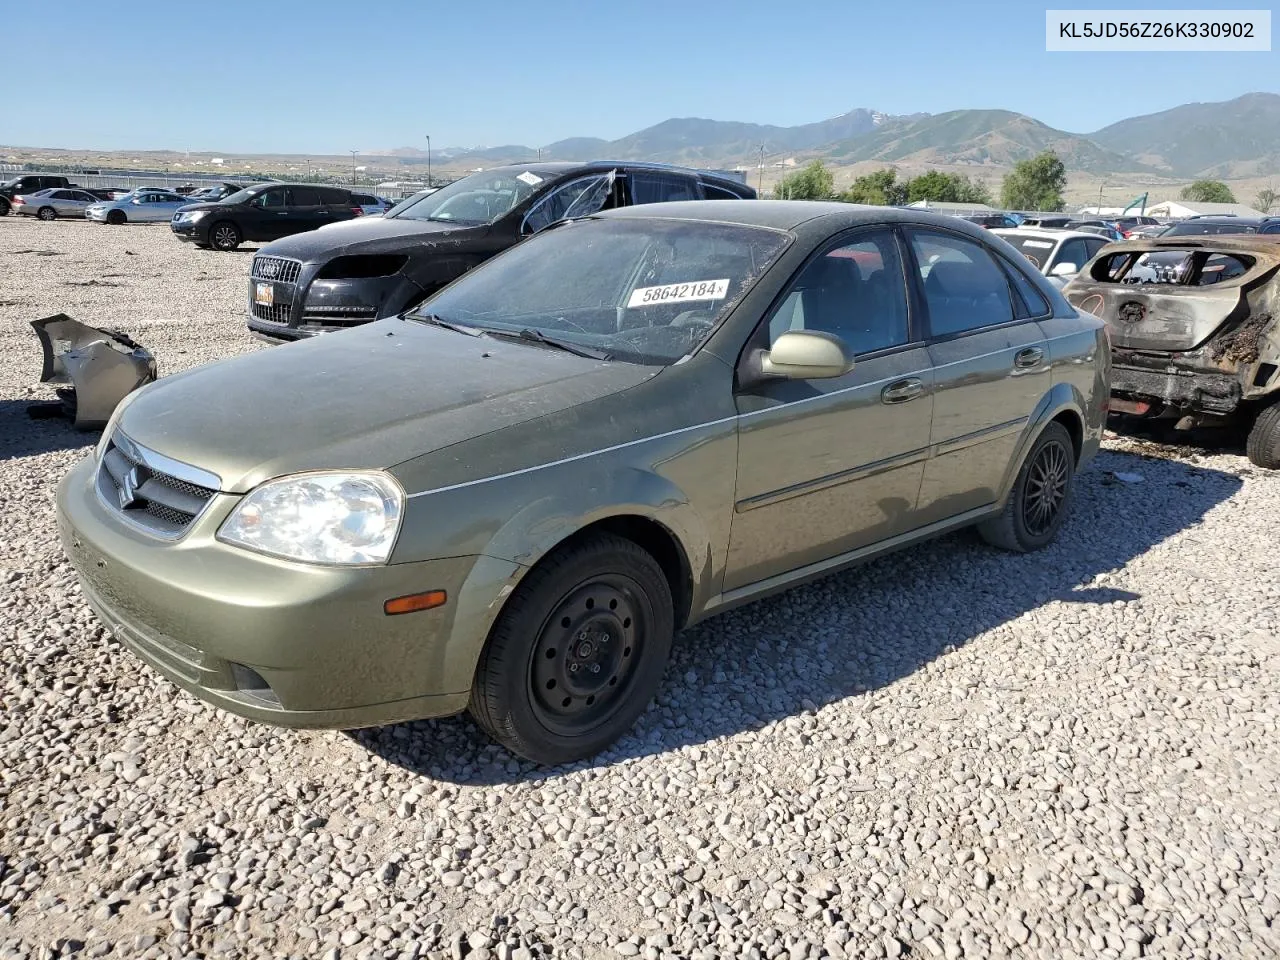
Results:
[537, 336]
[432, 319]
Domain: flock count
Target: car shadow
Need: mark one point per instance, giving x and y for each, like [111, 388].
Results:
[23, 436]
[724, 675]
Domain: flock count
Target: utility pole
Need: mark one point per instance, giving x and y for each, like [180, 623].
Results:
[1100, 198]
[760, 172]
[428, 159]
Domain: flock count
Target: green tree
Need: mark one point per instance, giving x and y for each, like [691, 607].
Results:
[814, 182]
[947, 188]
[1208, 191]
[1266, 199]
[880, 188]
[1035, 184]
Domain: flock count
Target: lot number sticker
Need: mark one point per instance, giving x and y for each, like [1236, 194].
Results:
[679, 292]
[532, 179]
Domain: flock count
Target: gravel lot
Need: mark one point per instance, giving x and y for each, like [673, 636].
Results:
[950, 752]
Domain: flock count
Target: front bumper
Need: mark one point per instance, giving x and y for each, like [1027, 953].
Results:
[310, 306]
[210, 617]
[98, 216]
[187, 230]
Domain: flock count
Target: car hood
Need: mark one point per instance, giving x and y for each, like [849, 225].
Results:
[203, 205]
[369, 397]
[368, 235]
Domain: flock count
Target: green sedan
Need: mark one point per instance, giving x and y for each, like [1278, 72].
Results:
[509, 499]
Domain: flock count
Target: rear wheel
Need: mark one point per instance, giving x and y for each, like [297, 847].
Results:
[577, 653]
[1041, 494]
[47, 213]
[1263, 446]
[224, 235]
[4, 207]
[116, 217]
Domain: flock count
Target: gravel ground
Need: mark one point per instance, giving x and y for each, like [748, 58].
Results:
[949, 752]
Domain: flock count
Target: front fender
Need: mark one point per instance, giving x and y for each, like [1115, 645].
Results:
[548, 521]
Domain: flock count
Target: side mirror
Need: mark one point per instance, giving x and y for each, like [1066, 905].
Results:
[1064, 269]
[807, 355]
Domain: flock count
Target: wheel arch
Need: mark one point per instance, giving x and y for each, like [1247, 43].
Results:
[1062, 404]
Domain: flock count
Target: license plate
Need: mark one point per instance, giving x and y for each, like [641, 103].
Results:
[264, 294]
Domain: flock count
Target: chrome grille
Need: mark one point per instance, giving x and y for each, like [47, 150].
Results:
[275, 268]
[145, 488]
[274, 313]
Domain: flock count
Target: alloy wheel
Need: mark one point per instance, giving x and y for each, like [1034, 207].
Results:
[224, 236]
[1046, 488]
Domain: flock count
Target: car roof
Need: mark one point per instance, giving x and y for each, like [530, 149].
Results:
[790, 214]
[1219, 219]
[1046, 233]
[1229, 242]
[555, 168]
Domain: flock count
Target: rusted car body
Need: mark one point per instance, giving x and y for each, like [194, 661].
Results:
[1194, 332]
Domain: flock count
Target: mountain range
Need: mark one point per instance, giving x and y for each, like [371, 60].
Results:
[1234, 138]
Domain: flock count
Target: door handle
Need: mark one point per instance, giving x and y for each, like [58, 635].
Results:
[900, 391]
[1029, 357]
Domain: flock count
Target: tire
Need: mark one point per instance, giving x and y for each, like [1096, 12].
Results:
[577, 652]
[1263, 445]
[4, 207]
[116, 218]
[1031, 520]
[224, 235]
[47, 213]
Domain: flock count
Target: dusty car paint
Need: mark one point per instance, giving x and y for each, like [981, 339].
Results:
[1187, 349]
[505, 451]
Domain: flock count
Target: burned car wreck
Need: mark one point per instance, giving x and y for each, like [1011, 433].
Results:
[1193, 328]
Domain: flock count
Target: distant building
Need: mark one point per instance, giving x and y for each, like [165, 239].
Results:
[1177, 209]
[952, 209]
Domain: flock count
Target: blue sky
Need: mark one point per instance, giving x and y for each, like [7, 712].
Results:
[327, 77]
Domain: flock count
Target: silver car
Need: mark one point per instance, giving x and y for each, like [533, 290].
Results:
[144, 205]
[53, 203]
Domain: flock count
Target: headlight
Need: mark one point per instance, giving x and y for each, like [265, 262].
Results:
[320, 518]
[192, 216]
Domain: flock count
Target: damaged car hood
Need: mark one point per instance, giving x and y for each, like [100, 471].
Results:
[370, 235]
[367, 398]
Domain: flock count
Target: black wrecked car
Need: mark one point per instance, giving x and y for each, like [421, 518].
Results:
[1194, 324]
[261, 213]
[352, 273]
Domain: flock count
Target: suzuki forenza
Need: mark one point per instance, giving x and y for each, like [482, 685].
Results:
[510, 498]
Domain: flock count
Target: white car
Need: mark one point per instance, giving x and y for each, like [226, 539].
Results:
[1058, 254]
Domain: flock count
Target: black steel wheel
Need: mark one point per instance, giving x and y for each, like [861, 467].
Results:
[224, 235]
[577, 652]
[1041, 495]
[47, 213]
[116, 217]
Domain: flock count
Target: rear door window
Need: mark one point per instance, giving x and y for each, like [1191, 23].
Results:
[304, 197]
[334, 198]
[711, 192]
[964, 289]
[660, 188]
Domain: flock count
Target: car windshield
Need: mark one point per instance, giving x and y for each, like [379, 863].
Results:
[1190, 228]
[479, 198]
[1036, 249]
[638, 290]
[240, 196]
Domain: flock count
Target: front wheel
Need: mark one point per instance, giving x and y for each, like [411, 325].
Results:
[577, 652]
[4, 207]
[1038, 502]
[47, 213]
[1263, 445]
[224, 236]
[116, 218]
